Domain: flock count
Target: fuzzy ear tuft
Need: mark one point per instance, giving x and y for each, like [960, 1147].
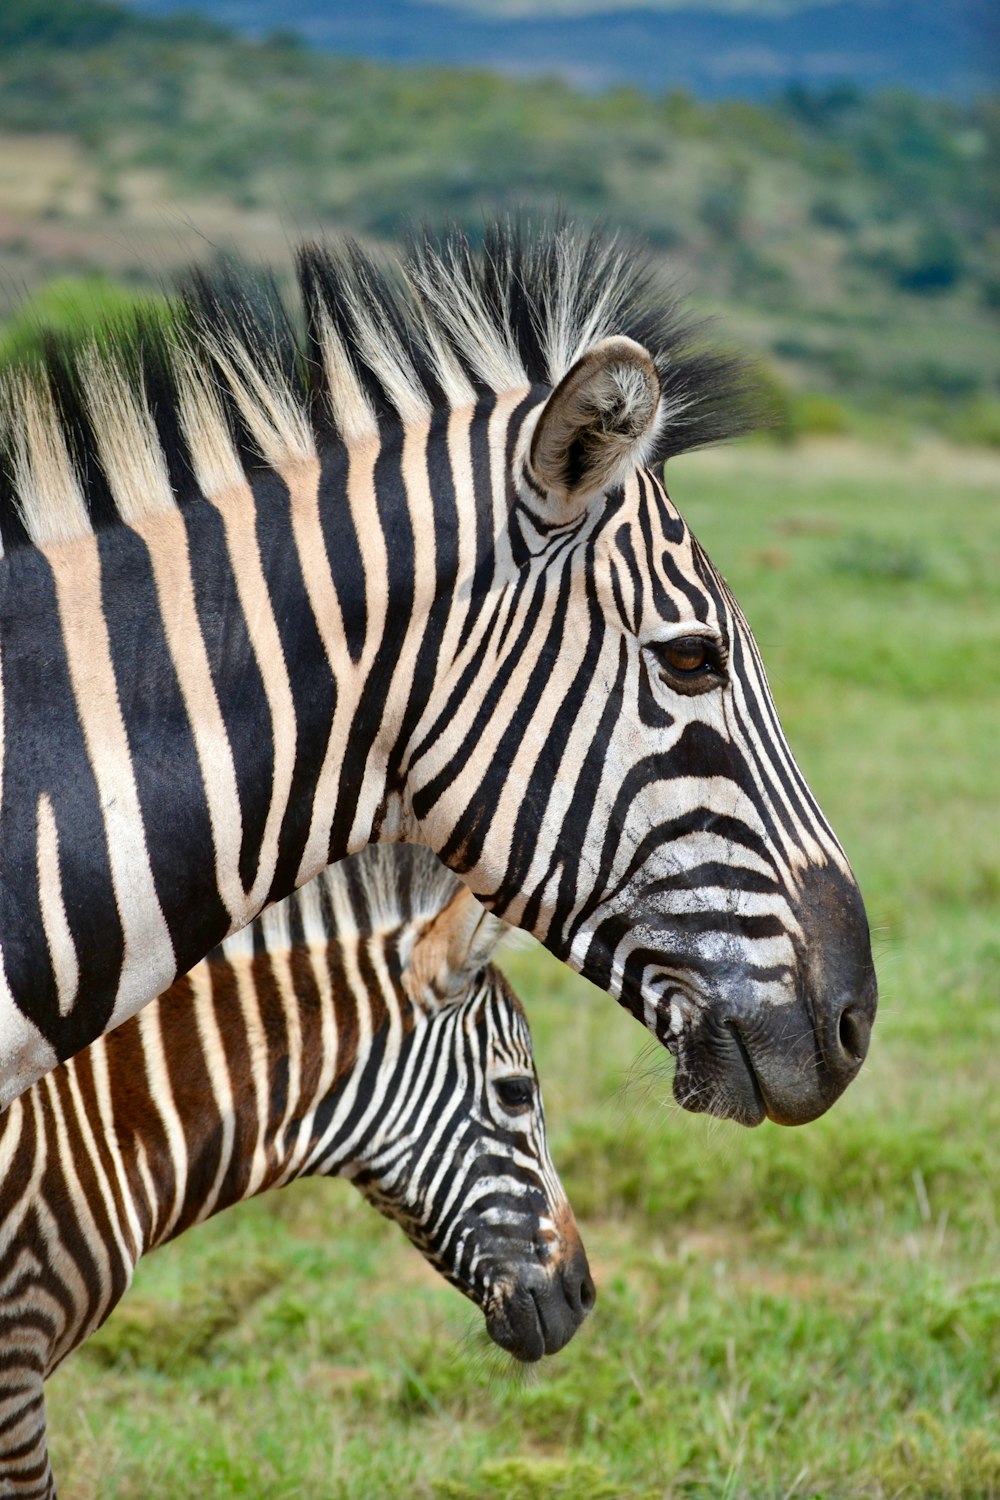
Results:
[452, 947]
[598, 423]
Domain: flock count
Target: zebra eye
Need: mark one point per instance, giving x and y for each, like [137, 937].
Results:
[515, 1094]
[689, 663]
[689, 654]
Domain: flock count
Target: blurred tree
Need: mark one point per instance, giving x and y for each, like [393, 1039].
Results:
[723, 205]
[936, 265]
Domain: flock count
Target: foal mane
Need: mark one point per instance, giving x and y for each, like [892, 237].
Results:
[152, 412]
[383, 888]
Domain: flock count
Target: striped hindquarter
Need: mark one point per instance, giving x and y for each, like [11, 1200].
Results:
[356, 1030]
[267, 598]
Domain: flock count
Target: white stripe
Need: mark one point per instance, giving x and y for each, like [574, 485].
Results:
[83, 1132]
[166, 539]
[158, 1079]
[148, 958]
[62, 949]
[213, 1052]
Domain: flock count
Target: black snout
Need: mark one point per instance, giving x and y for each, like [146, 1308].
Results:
[840, 990]
[806, 1055]
[578, 1287]
[788, 1058]
[544, 1308]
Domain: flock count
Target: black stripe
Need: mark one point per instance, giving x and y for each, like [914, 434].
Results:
[394, 519]
[445, 545]
[343, 548]
[482, 501]
[164, 760]
[45, 752]
[311, 681]
[238, 682]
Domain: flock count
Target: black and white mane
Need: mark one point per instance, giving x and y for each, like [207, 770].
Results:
[140, 416]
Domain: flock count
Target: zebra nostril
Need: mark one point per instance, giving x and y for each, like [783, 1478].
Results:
[578, 1286]
[853, 1033]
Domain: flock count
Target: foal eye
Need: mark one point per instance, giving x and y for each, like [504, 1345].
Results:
[515, 1093]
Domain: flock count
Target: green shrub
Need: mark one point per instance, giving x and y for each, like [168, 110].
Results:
[814, 415]
[790, 415]
[873, 557]
[77, 306]
[978, 422]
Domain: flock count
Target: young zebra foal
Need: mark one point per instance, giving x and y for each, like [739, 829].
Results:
[355, 1030]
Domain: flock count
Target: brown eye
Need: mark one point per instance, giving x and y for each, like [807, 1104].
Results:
[687, 655]
[515, 1094]
[690, 663]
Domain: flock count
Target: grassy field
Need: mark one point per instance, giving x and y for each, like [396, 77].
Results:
[781, 1313]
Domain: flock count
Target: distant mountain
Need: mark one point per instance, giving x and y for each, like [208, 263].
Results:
[717, 48]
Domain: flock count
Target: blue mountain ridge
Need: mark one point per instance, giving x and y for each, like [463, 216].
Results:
[943, 47]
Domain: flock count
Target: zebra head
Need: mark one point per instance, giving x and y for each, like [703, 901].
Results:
[457, 1154]
[622, 786]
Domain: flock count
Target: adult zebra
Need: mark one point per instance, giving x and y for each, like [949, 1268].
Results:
[416, 578]
[353, 1031]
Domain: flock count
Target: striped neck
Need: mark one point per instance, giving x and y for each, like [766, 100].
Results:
[291, 670]
[288, 1046]
[268, 1061]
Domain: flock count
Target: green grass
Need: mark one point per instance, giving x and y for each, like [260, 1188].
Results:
[809, 1313]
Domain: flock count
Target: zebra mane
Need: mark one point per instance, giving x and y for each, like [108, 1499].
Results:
[384, 887]
[147, 414]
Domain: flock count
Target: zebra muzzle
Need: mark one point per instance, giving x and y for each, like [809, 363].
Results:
[543, 1308]
[780, 1063]
[750, 1053]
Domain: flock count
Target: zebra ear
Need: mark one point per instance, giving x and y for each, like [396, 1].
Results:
[452, 947]
[598, 424]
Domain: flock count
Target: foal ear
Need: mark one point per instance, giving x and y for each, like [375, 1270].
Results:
[452, 946]
[598, 424]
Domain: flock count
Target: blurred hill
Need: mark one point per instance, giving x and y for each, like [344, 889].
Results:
[849, 238]
[716, 48]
